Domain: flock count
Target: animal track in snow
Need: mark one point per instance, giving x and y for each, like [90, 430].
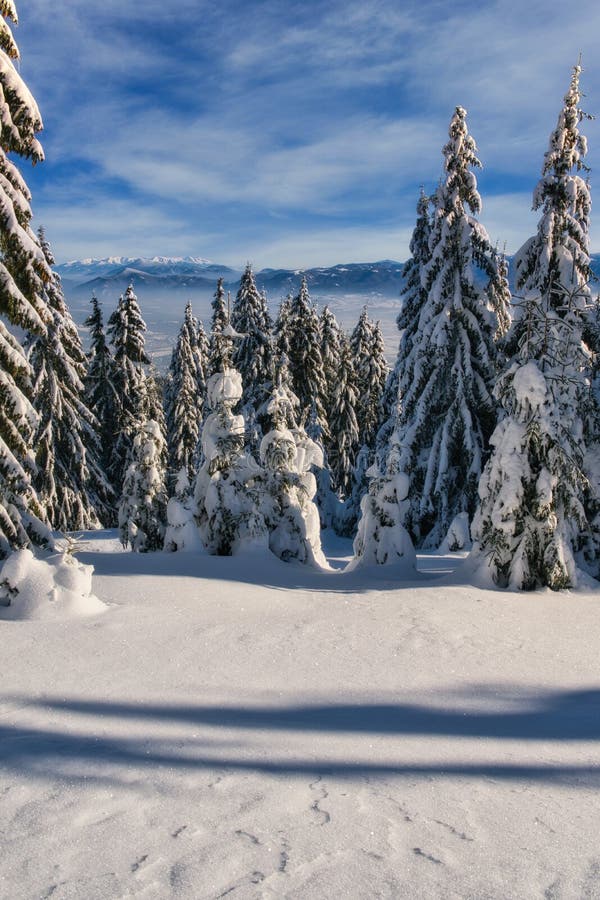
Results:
[251, 837]
[139, 862]
[418, 852]
[454, 831]
[316, 805]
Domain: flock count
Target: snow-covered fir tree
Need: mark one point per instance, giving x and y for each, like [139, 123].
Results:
[69, 478]
[382, 538]
[143, 503]
[500, 298]
[413, 298]
[281, 409]
[185, 395]
[126, 329]
[100, 392]
[344, 443]
[253, 354]
[220, 346]
[286, 501]
[286, 486]
[280, 327]
[377, 371]
[556, 259]
[538, 498]
[23, 274]
[331, 338]
[446, 411]
[370, 375]
[306, 363]
[226, 501]
[182, 532]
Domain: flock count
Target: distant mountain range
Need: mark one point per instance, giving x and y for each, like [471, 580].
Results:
[181, 274]
[164, 284]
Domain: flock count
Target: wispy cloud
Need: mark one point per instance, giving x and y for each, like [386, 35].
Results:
[241, 125]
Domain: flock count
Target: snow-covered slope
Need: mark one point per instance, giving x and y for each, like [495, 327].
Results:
[243, 728]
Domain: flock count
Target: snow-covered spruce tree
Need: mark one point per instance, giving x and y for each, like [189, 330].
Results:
[556, 260]
[280, 327]
[220, 347]
[531, 524]
[282, 407]
[413, 298]
[69, 478]
[182, 532]
[500, 299]
[23, 274]
[344, 443]
[100, 392]
[371, 370]
[537, 499]
[126, 329]
[143, 504]
[253, 355]
[286, 503]
[226, 501]
[286, 486]
[306, 363]
[331, 336]
[447, 412]
[382, 538]
[185, 396]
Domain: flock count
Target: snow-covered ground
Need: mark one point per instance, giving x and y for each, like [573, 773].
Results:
[249, 729]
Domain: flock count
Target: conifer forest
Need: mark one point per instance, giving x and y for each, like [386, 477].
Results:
[272, 609]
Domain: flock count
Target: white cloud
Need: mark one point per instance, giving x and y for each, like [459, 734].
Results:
[331, 112]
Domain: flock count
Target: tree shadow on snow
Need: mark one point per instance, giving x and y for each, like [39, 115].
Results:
[260, 568]
[69, 754]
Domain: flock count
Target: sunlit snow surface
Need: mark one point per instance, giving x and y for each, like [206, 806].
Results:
[245, 728]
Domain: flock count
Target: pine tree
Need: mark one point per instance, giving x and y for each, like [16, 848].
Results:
[499, 297]
[100, 392]
[413, 296]
[69, 478]
[537, 501]
[345, 437]
[253, 355]
[185, 396]
[220, 347]
[306, 363]
[332, 338]
[556, 260]
[227, 508]
[143, 504]
[281, 327]
[446, 411]
[368, 352]
[282, 406]
[23, 274]
[126, 329]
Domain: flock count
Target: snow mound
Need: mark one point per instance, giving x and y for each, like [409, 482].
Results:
[458, 536]
[56, 587]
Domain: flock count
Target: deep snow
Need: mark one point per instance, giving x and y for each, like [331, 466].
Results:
[245, 728]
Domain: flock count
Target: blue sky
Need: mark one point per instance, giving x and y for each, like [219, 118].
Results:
[289, 133]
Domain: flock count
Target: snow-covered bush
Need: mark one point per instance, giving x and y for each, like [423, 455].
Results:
[287, 500]
[226, 503]
[182, 531]
[142, 509]
[458, 536]
[382, 538]
[53, 587]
